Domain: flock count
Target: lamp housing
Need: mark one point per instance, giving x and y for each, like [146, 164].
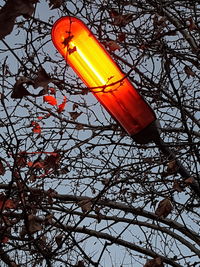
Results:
[101, 74]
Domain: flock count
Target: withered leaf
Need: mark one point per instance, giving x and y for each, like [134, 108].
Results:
[36, 165]
[99, 217]
[42, 79]
[21, 159]
[97, 210]
[33, 224]
[4, 239]
[50, 100]
[2, 168]
[143, 46]
[58, 239]
[79, 264]
[79, 126]
[189, 71]
[85, 204]
[6, 203]
[67, 40]
[113, 46]
[172, 167]
[162, 21]
[52, 90]
[8, 23]
[191, 181]
[62, 105]
[25, 8]
[19, 90]
[32, 178]
[48, 219]
[55, 4]
[156, 262]
[155, 20]
[23, 232]
[164, 208]
[121, 20]
[52, 161]
[75, 106]
[192, 25]
[105, 181]
[74, 114]
[36, 127]
[72, 50]
[177, 186]
[11, 10]
[121, 37]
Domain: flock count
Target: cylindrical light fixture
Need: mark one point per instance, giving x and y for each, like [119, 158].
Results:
[93, 64]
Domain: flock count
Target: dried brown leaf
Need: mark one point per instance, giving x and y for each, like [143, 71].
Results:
[121, 20]
[79, 126]
[155, 20]
[143, 46]
[8, 23]
[2, 168]
[36, 165]
[172, 167]
[85, 204]
[105, 181]
[121, 37]
[79, 264]
[74, 115]
[10, 204]
[55, 3]
[6, 203]
[156, 262]
[189, 71]
[23, 232]
[99, 217]
[162, 21]
[192, 26]
[19, 90]
[112, 46]
[97, 210]
[164, 208]
[59, 239]
[42, 79]
[21, 159]
[75, 106]
[48, 219]
[189, 180]
[11, 10]
[177, 186]
[33, 224]
[52, 161]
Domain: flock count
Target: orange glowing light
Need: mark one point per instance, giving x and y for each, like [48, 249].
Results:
[93, 64]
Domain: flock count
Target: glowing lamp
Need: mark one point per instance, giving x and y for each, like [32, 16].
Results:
[100, 73]
[92, 63]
